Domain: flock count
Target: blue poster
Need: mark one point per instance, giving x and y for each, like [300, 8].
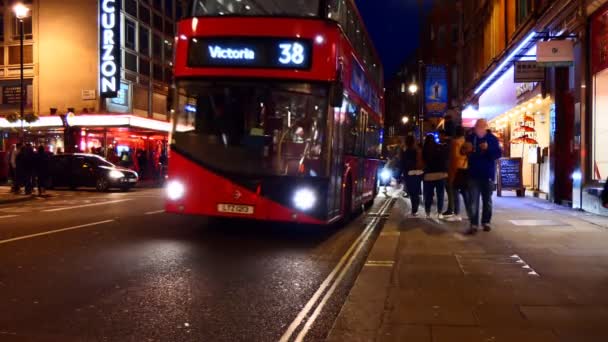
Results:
[362, 87]
[436, 91]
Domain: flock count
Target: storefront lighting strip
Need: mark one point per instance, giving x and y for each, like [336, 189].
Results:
[507, 60]
[43, 121]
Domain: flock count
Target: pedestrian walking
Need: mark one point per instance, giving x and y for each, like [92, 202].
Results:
[412, 169]
[41, 169]
[457, 176]
[28, 168]
[12, 167]
[19, 167]
[483, 150]
[435, 158]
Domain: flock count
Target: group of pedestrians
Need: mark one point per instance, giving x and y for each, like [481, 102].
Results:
[29, 168]
[463, 166]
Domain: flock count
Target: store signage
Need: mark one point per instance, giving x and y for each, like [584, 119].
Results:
[88, 94]
[436, 90]
[122, 97]
[271, 53]
[555, 53]
[599, 41]
[529, 71]
[524, 88]
[510, 175]
[109, 49]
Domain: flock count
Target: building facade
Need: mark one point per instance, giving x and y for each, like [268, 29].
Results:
[546, 112]
[440, 38]
[70, 46]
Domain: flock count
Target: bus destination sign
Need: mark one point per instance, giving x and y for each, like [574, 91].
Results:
[247, 52]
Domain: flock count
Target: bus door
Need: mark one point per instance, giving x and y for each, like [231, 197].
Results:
[336, 159]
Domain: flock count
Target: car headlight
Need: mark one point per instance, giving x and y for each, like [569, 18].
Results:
[116, 174]
[304, 199]
[385, 175]
[175, 190]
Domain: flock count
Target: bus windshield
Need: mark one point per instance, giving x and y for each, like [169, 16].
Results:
[260, 128]
[290, 8]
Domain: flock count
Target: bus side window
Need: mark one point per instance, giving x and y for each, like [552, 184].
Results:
[351, 129]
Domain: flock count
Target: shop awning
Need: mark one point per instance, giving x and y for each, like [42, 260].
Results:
[515, 55]
[94, 120]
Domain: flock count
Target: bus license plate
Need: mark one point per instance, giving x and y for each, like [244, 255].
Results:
[235, 209]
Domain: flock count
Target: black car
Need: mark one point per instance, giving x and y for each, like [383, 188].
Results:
[76, 170]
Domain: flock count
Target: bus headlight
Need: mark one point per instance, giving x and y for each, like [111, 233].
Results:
[304, 199]
[385, 175]
[175, 190]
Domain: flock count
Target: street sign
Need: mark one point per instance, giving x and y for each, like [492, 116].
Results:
[555, 53]
[529, 71]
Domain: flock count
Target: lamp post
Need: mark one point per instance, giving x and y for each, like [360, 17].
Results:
[21, 12]
[413, 89]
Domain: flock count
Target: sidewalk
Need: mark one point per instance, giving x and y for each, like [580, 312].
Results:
[6, 197]
[541, 275]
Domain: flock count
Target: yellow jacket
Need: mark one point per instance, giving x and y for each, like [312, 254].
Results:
[457, 159]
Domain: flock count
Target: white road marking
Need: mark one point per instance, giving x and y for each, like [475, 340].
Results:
[54, 231]
[346, 261]
[86, 205]
[8, 216]
[155, 212]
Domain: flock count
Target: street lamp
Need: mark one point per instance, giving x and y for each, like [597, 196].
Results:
[21, 12]
[413, 88]
[405, 120]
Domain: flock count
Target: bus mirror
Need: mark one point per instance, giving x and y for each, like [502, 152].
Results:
[337, 95]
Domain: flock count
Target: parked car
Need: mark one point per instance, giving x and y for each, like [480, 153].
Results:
[89, 170]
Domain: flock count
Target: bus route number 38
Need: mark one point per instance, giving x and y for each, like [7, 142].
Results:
[292, 54]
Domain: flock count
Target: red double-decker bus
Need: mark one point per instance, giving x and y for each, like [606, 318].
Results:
[279, 111]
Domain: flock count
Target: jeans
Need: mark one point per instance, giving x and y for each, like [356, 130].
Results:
[414, 189]
[430, 187]
[454, 192]
[483, 188]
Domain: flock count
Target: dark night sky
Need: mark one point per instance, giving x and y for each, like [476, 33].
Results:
[394, 27]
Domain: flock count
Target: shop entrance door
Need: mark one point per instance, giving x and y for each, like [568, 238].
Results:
[565, 159]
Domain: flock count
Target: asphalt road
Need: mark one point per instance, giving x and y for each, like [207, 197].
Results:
[84, 266]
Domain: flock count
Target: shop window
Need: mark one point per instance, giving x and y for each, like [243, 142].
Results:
[1, 28]
[144, 41]
[144, 14]
[158, 4]
[157, 47]
[158, 22]
[169, 30]
[144, 66]
[441, 37]
[129, 34]
[159, 103]
[600, 125]
[524, 9]
[169, 8]
[14, 54]
[130, 61]
[168, 51]
[140, 98]
[131, 7]
[179, 12]
[455, 35]
[27, 28]
[157, 71]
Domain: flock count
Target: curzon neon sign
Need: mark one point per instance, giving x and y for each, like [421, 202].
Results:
[109, 49]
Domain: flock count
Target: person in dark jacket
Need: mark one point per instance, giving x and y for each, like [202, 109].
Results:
[435, 156]
[28, 168]
[483, 150]
[41, 169]
[412, 169]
